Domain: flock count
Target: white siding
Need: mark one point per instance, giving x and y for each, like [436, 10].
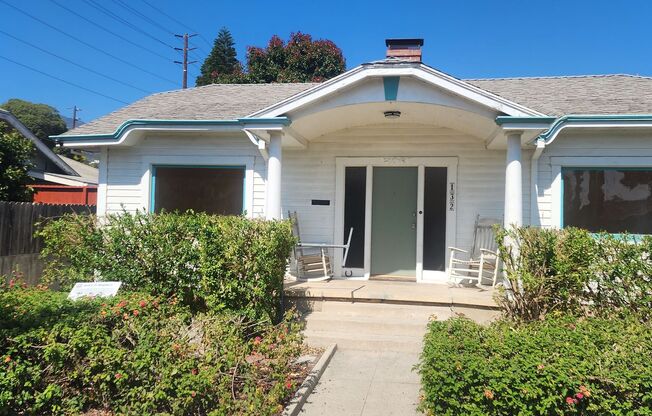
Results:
[310, 173]
[628, 147]
[128, 166]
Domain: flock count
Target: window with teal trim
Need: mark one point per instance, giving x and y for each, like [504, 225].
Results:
[611, 200]
[214, 190]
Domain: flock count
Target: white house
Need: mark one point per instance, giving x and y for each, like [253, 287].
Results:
[405, 154]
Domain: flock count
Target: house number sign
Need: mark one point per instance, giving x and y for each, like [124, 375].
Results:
[451, 196]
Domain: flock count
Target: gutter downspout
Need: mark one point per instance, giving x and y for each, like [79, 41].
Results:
[535, 219]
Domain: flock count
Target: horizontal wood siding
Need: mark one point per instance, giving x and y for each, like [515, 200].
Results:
[310, 173]
[621, 144]
[127, 166]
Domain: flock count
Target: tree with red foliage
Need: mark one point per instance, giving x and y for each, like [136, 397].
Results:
[301, 59]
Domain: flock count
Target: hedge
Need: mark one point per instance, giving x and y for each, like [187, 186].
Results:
[208, 262]
[137, 354]
[558, 366]
[574, 271]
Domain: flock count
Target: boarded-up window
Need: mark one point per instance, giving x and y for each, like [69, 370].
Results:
[612, 200]
[214, 190]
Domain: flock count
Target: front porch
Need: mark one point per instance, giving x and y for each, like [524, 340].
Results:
[403, 293]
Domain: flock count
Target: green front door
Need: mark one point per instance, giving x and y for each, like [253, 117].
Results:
[394, 221]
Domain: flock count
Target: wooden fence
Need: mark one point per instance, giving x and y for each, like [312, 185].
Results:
[19, 248]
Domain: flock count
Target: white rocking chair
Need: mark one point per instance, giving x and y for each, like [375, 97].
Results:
[482, 262]
[312, 259]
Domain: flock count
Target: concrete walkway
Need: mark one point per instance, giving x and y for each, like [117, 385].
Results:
[366, 383]
[378, 328]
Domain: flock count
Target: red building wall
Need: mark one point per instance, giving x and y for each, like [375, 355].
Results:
[61, 194]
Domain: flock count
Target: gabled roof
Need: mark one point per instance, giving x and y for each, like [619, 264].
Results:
[554, 96]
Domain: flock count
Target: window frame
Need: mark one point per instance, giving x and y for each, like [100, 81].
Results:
[559, 164]
[149, 164]
[152, 203]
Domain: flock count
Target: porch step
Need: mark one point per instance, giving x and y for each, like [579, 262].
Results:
[366, 325]
[369, 326]
[382, 311]
[364, 342]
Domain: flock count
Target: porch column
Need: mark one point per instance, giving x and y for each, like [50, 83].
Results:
[274, 176]
[513, 181]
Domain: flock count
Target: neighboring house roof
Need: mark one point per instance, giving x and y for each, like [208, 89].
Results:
[87, 174]
[554, 96]
[589, 94]
[40, 146]
[74, 173]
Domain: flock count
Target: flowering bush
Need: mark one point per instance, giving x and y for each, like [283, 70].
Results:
[138, 354]
[559, 366]
[208, 262]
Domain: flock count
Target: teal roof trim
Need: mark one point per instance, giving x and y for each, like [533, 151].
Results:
[558, 123]
[502, 120]
[281, 121]
[597, 119]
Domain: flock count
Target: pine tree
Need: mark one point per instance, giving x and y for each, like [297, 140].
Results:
[222, 62]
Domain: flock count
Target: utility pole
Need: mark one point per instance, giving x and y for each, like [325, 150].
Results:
[185, 62]
[75, 109]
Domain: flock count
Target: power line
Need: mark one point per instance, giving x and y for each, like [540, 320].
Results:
[167, 58]
[119, 19]
[177, 21]
[63, 80]
[74, 63]
[87, 44]
[144, 17]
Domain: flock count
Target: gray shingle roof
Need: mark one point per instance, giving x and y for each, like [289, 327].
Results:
[210, 102]
[590, 94]
[555, 96]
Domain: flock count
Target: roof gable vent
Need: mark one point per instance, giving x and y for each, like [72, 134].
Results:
[404, 49]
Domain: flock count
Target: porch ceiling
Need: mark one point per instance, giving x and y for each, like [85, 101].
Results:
[482, 125]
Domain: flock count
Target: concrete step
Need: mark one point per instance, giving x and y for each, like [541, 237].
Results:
[380, 310]
[365, 342]
[366, 325]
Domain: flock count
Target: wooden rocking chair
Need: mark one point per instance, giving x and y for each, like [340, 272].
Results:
[312, 259]
[482, 262]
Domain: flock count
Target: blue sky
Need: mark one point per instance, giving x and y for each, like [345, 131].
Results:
[467, 39]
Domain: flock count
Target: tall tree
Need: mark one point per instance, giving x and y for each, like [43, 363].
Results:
[302, 59]
[15, 161]
[221, 64]
[42, 119]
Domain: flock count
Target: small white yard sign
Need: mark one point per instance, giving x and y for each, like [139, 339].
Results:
[92, 289]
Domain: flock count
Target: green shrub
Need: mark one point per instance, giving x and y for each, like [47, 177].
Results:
[623, 276]
[559, 366]
[219, 263]
[574, 271]
[138, 354]
[548, 270]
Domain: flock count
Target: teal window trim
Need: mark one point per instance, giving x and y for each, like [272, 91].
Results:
[152, 189]
[631, 237]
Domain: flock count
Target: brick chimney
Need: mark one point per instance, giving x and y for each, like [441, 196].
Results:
[404, 49]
